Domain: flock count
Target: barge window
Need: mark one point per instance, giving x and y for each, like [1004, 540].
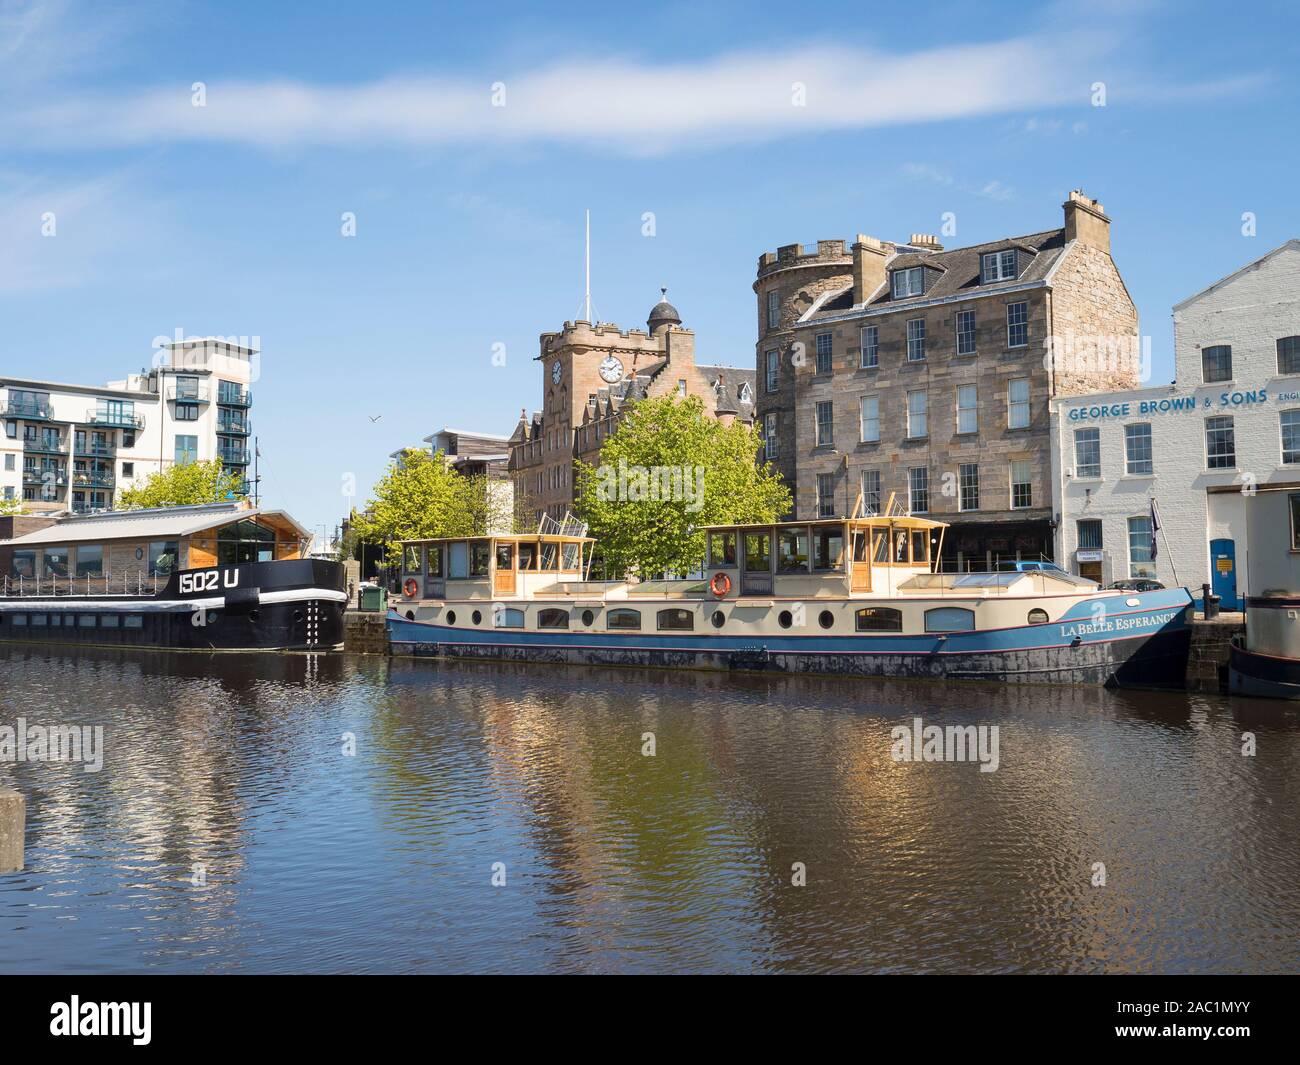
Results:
[880, 547]
[571, 558]
[1037, 616]
[758, 553]
[133, 621]
[433, 560]
[949, 619]
[480, 555]
[505, 557]
[719, 619]
[90, 560]
[550, 557]
[623, 619]
[111, 621]
[38, 620]
[878, 619]
[828, 548]
[722, 549]
[900, 547]
[676, 619]
[162, 557]
[24, 563]
[86, 621]
[792, 551]
[527, 556]
[552, 619]
[507, 617]
[20, 619]
[56, 562]
[920, 554]
[411, 558]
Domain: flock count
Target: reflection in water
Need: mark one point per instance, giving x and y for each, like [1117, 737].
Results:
[229, 770]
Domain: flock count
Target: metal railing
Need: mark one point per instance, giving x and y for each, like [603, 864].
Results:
[33, 475]
[242, 398]
[188, 393]
[95, 450]
[119, 418]
[25, 408]
[237, 426]
[46, 446]
[92, 480]
[234, 456]
[50, 586]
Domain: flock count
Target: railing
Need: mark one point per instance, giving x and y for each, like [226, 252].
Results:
[32, 475]
[21, 408]
[242, 398]
[237, 426]
[233, 456]
[197, 393]
[92, 480]
[121, 419]
[45, 446]
[138, 584]
[106, 451]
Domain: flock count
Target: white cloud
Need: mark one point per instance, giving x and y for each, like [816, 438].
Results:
[989, 190]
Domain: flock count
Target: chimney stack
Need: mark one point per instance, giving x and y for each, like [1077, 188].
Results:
[927, 241]
[1086, 221]
[869, 256]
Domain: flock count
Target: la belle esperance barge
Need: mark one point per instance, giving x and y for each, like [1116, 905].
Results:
[222, 576]
[855, 596]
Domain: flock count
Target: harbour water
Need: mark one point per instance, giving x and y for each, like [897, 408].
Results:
[233, 829]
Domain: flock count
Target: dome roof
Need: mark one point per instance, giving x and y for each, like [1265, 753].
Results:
[663, 313]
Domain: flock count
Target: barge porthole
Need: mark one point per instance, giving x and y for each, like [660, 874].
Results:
[588, 617]
[477, 617]
[451, 617]
[826, 619]
[719, 619]
[785, 619]
[410, 615]
[1037, 616]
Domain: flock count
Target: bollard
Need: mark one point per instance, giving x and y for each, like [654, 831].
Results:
[13, 826]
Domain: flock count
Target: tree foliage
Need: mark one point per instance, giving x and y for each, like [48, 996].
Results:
[670, 469]
[184, 484]
[11, 506]
[420, 497]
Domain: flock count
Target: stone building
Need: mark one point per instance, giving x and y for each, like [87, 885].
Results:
[591, 374]
[923, 372]
[1207, 448]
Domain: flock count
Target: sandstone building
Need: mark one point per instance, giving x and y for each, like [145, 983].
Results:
[591, 374]
[906, 368]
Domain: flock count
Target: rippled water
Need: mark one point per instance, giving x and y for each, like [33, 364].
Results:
[614, 861]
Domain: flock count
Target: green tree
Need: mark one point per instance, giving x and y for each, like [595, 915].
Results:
[184, 484]
[670, 469]
[11, 506]
[420, 497]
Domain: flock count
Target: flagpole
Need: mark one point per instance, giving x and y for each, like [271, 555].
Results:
[1158, 526]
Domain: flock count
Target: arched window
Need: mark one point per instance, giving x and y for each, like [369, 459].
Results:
[676, 619]
[878, 619]
[623, 618]
[507, 617]
[949, 619]
[552, 619]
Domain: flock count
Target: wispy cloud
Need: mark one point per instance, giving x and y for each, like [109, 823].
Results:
[989, 190]
[627, 104]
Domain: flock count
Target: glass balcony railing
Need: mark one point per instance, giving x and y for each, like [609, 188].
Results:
[46, 446]
[95, 449]
[32, 409]
[121, 419]
[97, 479]
[37, 475]
[234, 426]
[187, 392]
[232, 397]
[233, 456]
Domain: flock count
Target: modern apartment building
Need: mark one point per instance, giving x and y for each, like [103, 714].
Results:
[590, 376]
[924, 372]
[77, 447]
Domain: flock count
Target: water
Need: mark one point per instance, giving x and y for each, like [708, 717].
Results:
[618, 862]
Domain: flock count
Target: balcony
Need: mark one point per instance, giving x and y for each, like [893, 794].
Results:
[118, 419]
[94, 450]
[31, 409]
[234, 397]
[36, 475]
[92, 480]
[233, 456]
[188, 392]
[45, 446]
[236, 426]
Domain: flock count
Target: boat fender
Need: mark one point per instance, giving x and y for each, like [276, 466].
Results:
[242, 597]
[720, 585]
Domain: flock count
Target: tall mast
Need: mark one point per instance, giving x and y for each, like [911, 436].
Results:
[587, 301]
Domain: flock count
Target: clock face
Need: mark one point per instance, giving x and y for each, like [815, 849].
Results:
[611, 370]
[557, 371]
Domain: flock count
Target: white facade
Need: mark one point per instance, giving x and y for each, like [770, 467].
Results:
[1199, 447]
[74, 447]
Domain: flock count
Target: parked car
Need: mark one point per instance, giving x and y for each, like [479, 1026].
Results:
[1137, 584]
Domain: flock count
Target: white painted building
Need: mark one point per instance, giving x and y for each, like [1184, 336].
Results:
[77, 447]
[1199, 447]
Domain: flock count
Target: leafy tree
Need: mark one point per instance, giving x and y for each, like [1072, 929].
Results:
[184, 484]
[420, 497]
[11, 506]
[670, 469]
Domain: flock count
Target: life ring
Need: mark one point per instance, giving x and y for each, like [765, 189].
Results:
[720, 585]
[410, 587]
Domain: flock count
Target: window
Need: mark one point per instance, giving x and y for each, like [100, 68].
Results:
[1139, 548]
[1137, 450]
[915, 339]
[773, 309]
[825, 424]
[507, 617]
[1022, 489]
[773, 369]
[771, 446]
[1037, 616]
[1291, 436]
[828, 548]
[187, 449]
[1017, 325]
[187, 412]
[1294, 500]
[916, 404]
[722, 549]
[23, 563]
[871, 491]
[998, 266]
[681, 389]
[870, 347]
[1288, 355]
[90, 560]
[56, 562]
[433, 560]
[128, 440]
[918, 489]
[128, 469]
[1087, 453]
[552, 619]
[11, 430]
[967, 413]
[86, 621]
[1216, 363]
[826, 495]
[823, 353]
[1088, 532]
[411, 560]
[949, 619]
[870, 419]
[1220, 443]
[1018, 403]
[758, 553]
[9, 462]
[878, 619]
[968, 486]
[792, 545]
[906, 283]
[965, 332]
[675, 619]
[623, 618]
[480, 557]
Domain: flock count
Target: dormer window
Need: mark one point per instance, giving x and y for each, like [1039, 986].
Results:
[745, 395]
[910, 282]
[998, 266]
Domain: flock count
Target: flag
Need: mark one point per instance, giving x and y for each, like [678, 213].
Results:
[1155, 526]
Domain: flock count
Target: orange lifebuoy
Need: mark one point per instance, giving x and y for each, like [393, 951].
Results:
[720, 585]
[410, 587]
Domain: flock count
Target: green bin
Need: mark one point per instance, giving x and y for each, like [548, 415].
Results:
[374, 597]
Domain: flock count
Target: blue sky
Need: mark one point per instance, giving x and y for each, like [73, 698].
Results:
[226, 219]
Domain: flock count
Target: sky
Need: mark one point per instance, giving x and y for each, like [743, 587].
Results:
[204, 164]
